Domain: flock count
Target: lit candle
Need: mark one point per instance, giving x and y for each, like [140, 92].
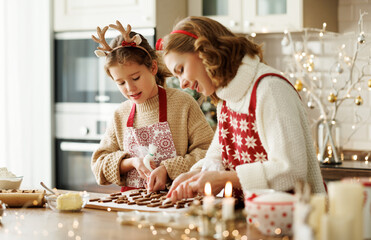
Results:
[208, 200]
[228, 202]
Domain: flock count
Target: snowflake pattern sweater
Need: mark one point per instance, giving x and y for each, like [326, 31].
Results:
[283, 129]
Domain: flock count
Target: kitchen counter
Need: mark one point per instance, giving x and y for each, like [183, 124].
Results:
[43, 223]
[346, 169]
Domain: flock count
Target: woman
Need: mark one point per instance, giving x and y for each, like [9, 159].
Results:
[263, 139]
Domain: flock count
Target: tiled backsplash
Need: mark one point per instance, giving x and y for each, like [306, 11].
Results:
[326, 52]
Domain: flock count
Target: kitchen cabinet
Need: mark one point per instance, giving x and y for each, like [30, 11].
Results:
[267, 16]
[80, 15]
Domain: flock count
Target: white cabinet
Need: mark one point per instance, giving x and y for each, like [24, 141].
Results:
[227, 12]
[76, 15]
[263, 16]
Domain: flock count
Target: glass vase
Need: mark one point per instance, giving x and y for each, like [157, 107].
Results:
[328, 141]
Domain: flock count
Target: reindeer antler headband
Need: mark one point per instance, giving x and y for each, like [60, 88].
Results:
[127, 42]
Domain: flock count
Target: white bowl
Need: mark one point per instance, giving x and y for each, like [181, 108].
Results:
[271, 213]
[10, 182]
[52, 201]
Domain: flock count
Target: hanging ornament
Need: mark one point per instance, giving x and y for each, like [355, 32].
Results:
[298, 85]
[285, 41]
[339, 69]
[369, 83]
[310, 104]
[332, 98]
[361, 38]
[358, 100]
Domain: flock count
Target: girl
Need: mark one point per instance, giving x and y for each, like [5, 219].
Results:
[263, 139]
[168, 119]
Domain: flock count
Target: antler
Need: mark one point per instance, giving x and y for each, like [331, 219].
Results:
[101, 39]
[121, 29]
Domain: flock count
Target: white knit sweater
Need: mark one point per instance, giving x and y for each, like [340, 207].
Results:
[282, 127]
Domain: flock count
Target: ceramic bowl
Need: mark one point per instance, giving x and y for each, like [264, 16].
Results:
[271, 213]
[10, 182]
[52, 202]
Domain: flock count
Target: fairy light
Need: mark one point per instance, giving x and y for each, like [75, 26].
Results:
[253, 34]
[235, 233]
[60, 225]
[355, 157]
[187, 231]
[78, 238]
[109, 209]
[75, 224]
[225, 233]
[71, 233]
[169, 229]
[329, 151]
[191, 226]
[244, 237]
[278, 231]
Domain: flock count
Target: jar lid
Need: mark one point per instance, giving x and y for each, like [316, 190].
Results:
[365, 181]
[276, 197]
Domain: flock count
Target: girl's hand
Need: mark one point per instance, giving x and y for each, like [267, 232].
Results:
[157, 179]
[143, 171]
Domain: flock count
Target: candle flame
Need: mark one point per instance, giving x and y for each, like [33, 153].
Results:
[208, 189]
[228, 189]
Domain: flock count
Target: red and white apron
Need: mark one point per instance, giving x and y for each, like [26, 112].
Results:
[158, 134]
[238, 135]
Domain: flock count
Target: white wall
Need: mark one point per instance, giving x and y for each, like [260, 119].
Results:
[25, 90]
[278, 56]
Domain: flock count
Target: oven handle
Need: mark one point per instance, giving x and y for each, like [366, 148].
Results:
[78, 147]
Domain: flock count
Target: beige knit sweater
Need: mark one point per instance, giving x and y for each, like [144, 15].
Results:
[189, 128]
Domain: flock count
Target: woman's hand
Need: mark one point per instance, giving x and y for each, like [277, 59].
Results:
[195, 184]
[180, 179]
[157, 179]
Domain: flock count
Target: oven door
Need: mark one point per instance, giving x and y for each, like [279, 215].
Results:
[73, 171]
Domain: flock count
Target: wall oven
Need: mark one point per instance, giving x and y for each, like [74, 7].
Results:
[85, 99]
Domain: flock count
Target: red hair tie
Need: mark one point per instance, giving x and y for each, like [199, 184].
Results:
[159, 44]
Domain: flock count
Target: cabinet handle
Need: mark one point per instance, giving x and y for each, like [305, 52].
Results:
[78, 147]
[102, 98]
[233, 23]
